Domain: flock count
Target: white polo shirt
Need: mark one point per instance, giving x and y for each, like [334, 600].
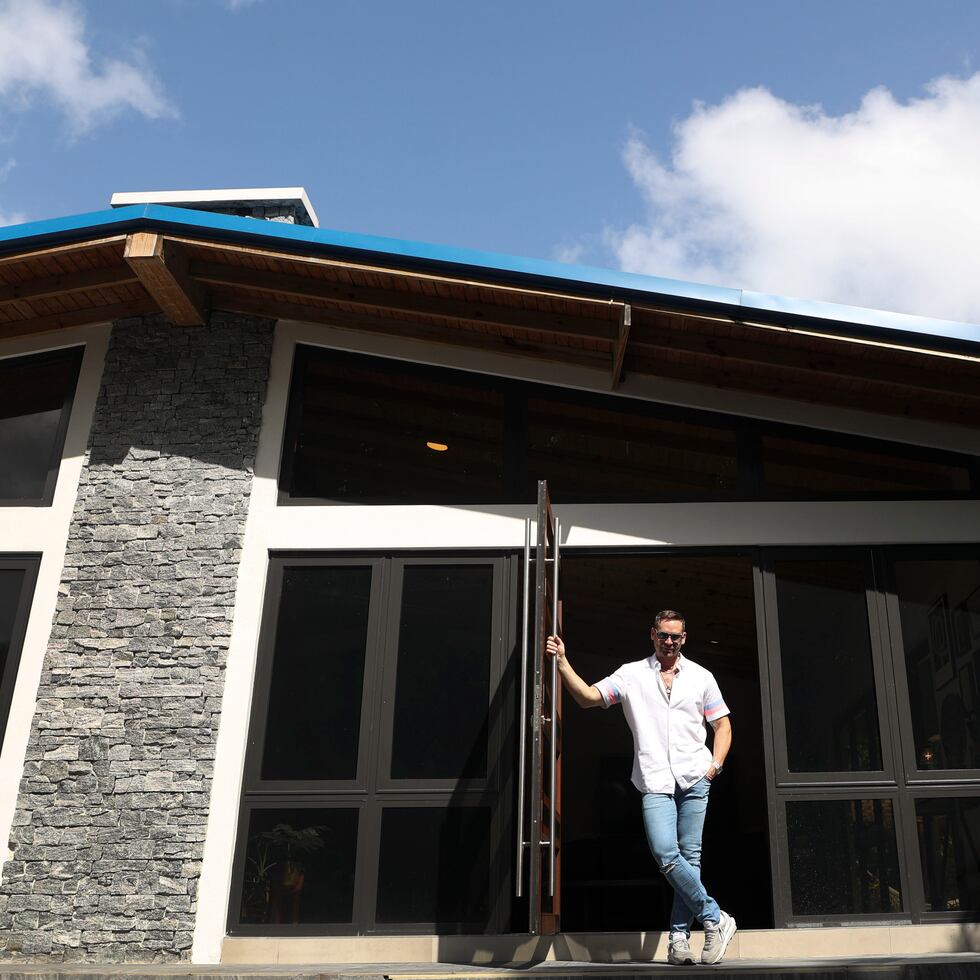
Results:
[669, 736]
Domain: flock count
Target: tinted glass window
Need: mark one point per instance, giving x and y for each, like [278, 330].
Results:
[11, 587]
[939, 606]
[829, 697]
[368, 433]
[798, 468]
[443, 686]
[34, 394]
[299, 865]
[591, 453]
[843, 857]
[434, 866]
[949, 848]
[375, 430]
[317, 674]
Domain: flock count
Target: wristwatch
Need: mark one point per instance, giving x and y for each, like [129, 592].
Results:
[718, 766]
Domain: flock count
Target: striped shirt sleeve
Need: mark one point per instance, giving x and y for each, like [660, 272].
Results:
[612, 689]
[714, 703]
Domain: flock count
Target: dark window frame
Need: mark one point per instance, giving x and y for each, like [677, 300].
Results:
[372, 792]
[936, 792]
[749, 432]
[784, 777]
[76, 353]
[896, 724]
[913, 776]
[783, 898]
[29, 564]
[260, 701]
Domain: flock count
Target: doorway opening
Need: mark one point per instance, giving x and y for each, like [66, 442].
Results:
[610, 882]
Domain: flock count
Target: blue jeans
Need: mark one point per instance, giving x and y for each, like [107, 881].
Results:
[673, 823]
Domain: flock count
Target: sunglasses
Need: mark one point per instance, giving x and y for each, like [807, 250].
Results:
[662, 635]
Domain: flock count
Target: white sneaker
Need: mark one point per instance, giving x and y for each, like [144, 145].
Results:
[679, 950]
[717, 936]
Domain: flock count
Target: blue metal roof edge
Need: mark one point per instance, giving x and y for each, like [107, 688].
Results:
[607, 282]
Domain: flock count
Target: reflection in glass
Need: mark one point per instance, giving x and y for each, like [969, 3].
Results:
[435, 866]
[442, 693]
[949, 848]
[33, 392]
[317, 673]
[939, 606]
[362, 432]
[830, 706]
[590, 453]
[299, 866]
[794, 468]
[843, 857]
[11, 583]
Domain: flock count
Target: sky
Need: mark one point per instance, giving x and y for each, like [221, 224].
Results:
[818, 148]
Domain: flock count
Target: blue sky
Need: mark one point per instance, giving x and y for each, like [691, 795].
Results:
[553, 129]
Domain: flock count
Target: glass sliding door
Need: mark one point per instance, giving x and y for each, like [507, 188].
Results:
[377, 783]
[873, 661]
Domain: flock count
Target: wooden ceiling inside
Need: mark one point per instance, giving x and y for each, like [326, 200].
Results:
[120, 276]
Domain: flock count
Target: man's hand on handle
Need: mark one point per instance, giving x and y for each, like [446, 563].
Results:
[556, 648]
[585, 695]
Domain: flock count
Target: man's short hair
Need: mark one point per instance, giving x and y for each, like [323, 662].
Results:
[668, 614]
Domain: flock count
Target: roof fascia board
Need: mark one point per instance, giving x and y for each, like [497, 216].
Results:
[608, 283]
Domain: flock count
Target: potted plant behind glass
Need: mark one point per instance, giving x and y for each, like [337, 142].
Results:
[258, 885]
[289, 873]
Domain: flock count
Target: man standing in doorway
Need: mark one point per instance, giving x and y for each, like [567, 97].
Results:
[667, 699]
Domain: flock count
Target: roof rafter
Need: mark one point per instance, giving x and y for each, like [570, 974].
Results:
[162, 270]
[433, 307]
[68, 282]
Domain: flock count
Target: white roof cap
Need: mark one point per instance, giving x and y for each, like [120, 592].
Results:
[215, 200]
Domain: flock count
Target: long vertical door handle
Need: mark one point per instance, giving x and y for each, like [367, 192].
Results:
[522, 737]
[552, 849]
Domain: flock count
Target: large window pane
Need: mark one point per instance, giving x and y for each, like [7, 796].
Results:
[11, 587]
[435, 866]
[299, 866]
[830, 706]
[443, 685]
[802, 468]
[317, 674]
[843, 857]
[949, 847]
[588, 452]
[368, 433]
[34, 392]
[939, 606]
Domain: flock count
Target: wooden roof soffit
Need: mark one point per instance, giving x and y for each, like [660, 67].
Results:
[622, 341]
[298, 288]
[162, 270]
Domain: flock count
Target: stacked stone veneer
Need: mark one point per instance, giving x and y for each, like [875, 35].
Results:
[109, 831]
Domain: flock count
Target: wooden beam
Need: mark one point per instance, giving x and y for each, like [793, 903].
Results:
[229, 251]
[770, 380]
[622, 341]
[75, 318]
[57, 251]
[67, 282]
[235, 301]
[828, 366]
[163, 273]
[432, 307]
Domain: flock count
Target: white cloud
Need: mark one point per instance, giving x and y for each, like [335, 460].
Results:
[877, 207]
[44, 53]
[9, 217]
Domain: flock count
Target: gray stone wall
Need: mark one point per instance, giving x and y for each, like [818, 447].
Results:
[108, 836]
